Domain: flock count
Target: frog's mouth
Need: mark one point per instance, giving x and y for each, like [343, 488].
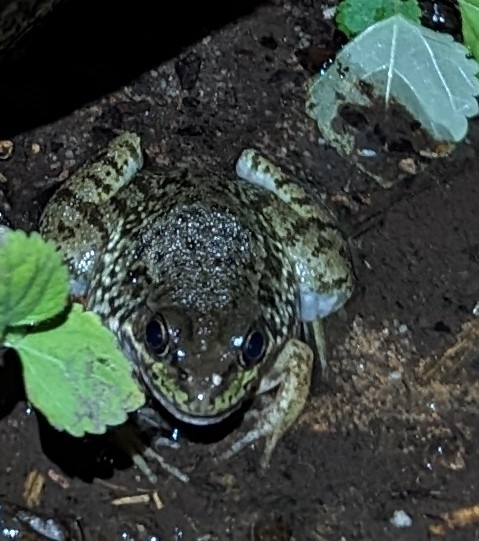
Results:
[191, 416]
[201, 409]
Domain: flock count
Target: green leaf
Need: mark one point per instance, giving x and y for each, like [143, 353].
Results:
[426, 72]
[33, 280]
[354, 16]
[75, 374]
[470, 24]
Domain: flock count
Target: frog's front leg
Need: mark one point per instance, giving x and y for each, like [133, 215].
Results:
[77, 216]
[315, 245]
[295, 364]
[102, 176]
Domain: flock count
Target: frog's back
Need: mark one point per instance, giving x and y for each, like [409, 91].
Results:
[156, 194]
[199, 228]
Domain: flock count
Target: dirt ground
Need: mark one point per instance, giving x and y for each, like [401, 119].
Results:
[393, 426]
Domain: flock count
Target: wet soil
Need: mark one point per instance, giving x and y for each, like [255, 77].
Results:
[377, 436]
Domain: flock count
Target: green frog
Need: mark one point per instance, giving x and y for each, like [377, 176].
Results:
[215, 287]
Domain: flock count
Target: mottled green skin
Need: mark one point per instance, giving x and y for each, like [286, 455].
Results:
[215, 258]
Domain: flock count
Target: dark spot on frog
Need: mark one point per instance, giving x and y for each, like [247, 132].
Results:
[231, 262]
[182, 374]
[133, 276]
[65, 230]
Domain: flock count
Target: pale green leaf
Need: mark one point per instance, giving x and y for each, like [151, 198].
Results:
[425, 71]
[33, 280]
[76, 376]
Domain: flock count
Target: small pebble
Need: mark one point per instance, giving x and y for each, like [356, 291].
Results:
[395, 376]
[6, 149]
[401, 519]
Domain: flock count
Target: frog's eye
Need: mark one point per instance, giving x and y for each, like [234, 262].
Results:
[156, 335]
[253, 348]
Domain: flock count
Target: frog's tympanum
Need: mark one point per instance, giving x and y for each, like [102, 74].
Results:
[215, 287]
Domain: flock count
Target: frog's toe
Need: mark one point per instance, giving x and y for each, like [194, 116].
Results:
[149, 453]
[128, 439]
[271, 440]
[248, 439]
[255, 168]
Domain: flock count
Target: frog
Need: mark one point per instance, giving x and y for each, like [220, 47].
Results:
[215, 286]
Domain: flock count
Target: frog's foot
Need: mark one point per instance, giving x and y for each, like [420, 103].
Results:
[128, 439]
[150, 422]
[295, 362]
[96, 182]
[112, 168]
[255, 168]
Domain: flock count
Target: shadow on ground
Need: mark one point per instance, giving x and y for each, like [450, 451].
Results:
[86, 49]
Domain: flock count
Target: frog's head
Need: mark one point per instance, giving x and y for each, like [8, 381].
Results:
[201, 366]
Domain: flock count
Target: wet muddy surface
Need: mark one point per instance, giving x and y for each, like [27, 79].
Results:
[392, 428]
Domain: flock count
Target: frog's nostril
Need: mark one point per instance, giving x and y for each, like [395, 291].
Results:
[178, 356]
[183, 374]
